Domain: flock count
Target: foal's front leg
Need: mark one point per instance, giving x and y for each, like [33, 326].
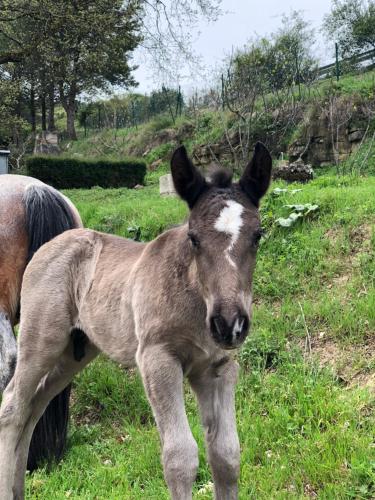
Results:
[163, 380]
[215, 392]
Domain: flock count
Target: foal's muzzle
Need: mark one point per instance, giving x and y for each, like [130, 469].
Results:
[229, 331]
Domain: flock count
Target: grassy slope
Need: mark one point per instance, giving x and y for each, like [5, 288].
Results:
[306, 429]
[208, 124]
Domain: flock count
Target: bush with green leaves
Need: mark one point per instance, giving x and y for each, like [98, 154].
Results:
[67, 173]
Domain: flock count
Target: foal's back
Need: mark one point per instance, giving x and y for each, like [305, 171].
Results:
[81, 278]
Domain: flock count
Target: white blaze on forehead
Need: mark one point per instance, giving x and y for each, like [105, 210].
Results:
[230, 222]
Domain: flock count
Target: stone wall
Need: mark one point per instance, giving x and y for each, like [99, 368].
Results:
[47, 143]
[316, 146]
[327, 132]
[325, 138]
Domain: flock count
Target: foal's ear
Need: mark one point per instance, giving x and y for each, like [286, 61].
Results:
[188, 181]
[257, 175]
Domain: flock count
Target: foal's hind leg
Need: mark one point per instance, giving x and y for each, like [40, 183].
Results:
[37, 355]
[51, 385]
[215, 392]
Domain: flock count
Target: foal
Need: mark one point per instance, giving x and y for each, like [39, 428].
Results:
[175, 306]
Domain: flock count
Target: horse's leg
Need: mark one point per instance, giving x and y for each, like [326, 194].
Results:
[163, 380]
[215, 392]
[8, 350]
[51, 385]
[37, 355]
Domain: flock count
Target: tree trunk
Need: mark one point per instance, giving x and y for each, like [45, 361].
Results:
[32, 109]
[68, 102]
[70, 116]
[51, 107]
[43, 109]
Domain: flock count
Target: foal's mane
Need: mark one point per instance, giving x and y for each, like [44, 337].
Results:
[221, 178]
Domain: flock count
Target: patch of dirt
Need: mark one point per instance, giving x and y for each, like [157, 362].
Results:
[342, 280]
[351, 363]
[360, 236]
[333, 234]
[360, 243]
[309, 491]
[366, 380]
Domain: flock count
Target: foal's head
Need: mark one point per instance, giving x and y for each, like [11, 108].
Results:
[224, 232]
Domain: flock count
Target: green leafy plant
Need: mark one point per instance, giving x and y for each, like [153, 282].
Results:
[299, 211]
[280, 191]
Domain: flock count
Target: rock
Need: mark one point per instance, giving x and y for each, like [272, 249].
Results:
[155, 165]
[165, 135]
[138, 186]
[166, 187]
[47, 143]
[186, 130]
[294, 172]
[356, 135]
[204, 154]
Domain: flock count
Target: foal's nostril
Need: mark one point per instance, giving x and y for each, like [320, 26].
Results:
[240, 327]
[218, 325]
[229, 333]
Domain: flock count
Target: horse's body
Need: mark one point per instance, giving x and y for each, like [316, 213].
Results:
[173, 306]
[31, 213]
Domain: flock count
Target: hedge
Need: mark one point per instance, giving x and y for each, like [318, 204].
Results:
[66, 173]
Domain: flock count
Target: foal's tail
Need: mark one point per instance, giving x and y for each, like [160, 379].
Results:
[48, 214]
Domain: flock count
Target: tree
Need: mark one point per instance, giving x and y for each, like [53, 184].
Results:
[80, 46]
[11, 124]
[282, 60]
[89, 48]
[290, 58]
[168, 29]
[351, 23]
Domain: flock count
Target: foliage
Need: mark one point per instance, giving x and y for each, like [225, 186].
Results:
[61, 57]
[352, 24]
[73, 52]
[279, 61]
[11, 124]
[130, 110]
[72, 173]
[298, 212]
[168, 29]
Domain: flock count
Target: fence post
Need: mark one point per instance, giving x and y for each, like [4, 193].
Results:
[179, 102]
[222, 91]
[133, 114]
[337, 62]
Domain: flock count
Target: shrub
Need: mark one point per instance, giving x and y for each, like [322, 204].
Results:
[65, 173]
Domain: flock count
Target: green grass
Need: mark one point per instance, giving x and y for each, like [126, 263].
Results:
[305, 416]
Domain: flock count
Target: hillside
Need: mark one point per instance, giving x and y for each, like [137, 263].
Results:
[306, 396]
[328, 122]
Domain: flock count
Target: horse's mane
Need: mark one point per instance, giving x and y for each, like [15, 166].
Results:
[221, 178]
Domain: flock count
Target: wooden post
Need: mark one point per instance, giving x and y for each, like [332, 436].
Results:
[222, 91]
[337, 62]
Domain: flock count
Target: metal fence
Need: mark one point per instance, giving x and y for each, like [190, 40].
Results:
[339, 66]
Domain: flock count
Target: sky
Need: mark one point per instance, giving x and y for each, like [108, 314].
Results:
[241, 21]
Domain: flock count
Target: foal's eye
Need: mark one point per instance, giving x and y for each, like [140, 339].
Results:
[194, 240]
[257, 236]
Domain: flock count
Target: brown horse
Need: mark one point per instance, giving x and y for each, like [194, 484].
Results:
[175, 306]
[31, 213]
